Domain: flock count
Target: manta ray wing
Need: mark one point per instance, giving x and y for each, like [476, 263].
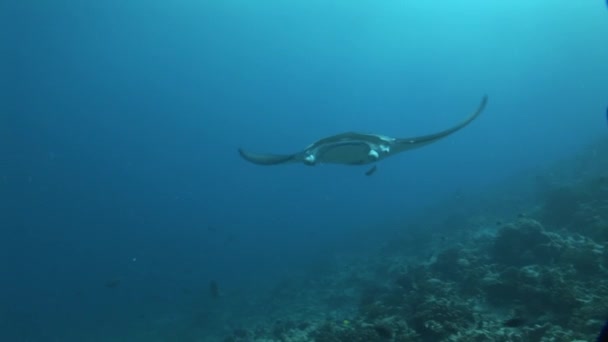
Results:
[267, 159]
[405, 144]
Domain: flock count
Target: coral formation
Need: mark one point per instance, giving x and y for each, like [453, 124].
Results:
[539, 276]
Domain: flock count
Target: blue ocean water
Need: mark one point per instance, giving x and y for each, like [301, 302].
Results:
[123, 196]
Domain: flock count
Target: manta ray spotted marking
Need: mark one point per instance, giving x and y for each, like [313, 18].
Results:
[354, 148]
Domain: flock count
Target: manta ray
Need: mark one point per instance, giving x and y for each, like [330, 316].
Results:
[354, 148]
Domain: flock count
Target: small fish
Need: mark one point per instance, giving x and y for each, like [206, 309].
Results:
[371, 171]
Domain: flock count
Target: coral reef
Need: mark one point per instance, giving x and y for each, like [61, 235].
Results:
[540, 276]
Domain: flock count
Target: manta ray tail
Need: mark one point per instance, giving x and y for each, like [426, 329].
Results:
[266, 159]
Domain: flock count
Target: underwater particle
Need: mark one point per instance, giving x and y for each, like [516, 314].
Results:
[214, 289]
[346, 322]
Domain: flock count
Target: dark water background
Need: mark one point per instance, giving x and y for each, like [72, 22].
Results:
[120, 183]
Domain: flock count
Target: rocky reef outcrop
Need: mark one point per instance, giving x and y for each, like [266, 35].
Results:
[539, 276]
